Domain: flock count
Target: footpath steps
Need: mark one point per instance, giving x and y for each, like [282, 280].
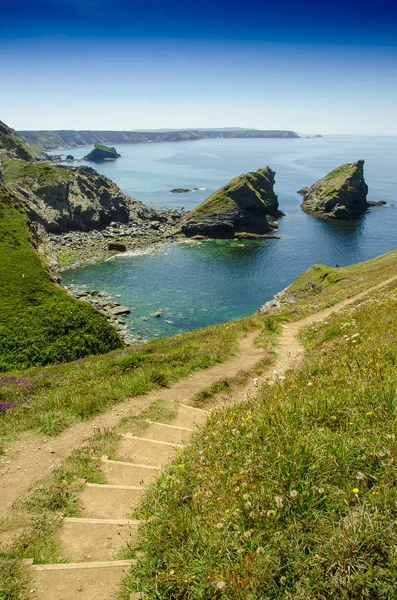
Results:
[94, 543]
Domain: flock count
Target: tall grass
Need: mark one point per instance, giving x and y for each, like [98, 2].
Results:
[293, 493]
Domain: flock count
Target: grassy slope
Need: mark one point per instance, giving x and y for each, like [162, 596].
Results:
[39, 322]
[62, 394]
[292, 494]
[17, 169]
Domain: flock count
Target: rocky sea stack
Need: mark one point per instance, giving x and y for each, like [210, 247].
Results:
[342, 194]
[245, 205]
[100, 153]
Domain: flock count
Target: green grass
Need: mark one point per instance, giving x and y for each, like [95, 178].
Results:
[39, 322]
[291, 494]
[61, 394]
[14, 170]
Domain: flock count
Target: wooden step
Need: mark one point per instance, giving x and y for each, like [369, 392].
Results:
[110, 501]
[127, 473]
[84, 540]
[188, 416]
[82, 581]
[146, 451]
[166, 433]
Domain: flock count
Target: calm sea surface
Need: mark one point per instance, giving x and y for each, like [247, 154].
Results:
[215, 281]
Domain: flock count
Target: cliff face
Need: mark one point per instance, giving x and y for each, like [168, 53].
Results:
[342, 194]
[247, 204]
[12, 146]
[63, 199]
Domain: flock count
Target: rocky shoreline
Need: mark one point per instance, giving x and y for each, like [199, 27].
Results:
[78, 248]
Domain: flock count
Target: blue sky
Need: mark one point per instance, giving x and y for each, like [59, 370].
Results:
[96, 64]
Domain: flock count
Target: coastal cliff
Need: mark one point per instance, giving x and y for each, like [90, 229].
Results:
[14, 146]
[245, 205]
[342, 194]
[71, 198]
[52, 140]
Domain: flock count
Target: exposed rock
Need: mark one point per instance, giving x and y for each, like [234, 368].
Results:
[184, 190]
[303, 191]
[342, 194]
[73, 198]
[157, 314]
[379, 203]
[117, 246]
[14, 146]
[101, 152]
[246, 204]
[120, 310]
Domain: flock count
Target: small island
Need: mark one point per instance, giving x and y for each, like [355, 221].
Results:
[245, 206]
[100, 153]
[184, 190]
[342, 194]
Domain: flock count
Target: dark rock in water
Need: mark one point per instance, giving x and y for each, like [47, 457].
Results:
[101, 152]
[69, 157]
[117, 246]
[180, 190]
[379, 203]
[246, 204]
[342, 194]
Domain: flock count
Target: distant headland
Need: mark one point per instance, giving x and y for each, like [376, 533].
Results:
[56, 139]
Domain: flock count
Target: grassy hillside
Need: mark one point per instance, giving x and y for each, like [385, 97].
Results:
[39, 322]
[14, 170]
[292, 494]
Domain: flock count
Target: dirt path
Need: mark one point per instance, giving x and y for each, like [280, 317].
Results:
[27, 461]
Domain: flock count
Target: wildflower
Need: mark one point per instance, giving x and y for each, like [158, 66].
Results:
[237, 489]
[320, 490]
[279, 501]
[271, 513]
[355, 490]
[219, 525]
[220, 585]
[310, 383]
[370, 412]
[172, 572]
[247, 534]
[293, 493]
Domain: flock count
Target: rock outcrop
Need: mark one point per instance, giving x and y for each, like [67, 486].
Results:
[101, 153]
[12, 146]
[247, 204]
[71, 198]
[342, 194]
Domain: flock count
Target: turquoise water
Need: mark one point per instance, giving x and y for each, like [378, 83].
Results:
[211, 282]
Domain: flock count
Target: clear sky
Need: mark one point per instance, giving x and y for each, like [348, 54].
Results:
[314, 67]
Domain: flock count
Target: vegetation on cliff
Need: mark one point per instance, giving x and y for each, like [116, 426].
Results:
[290, 494]
[342, 194]
[39, 322]
[247, 204]
[15, 146]
[50, 140]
